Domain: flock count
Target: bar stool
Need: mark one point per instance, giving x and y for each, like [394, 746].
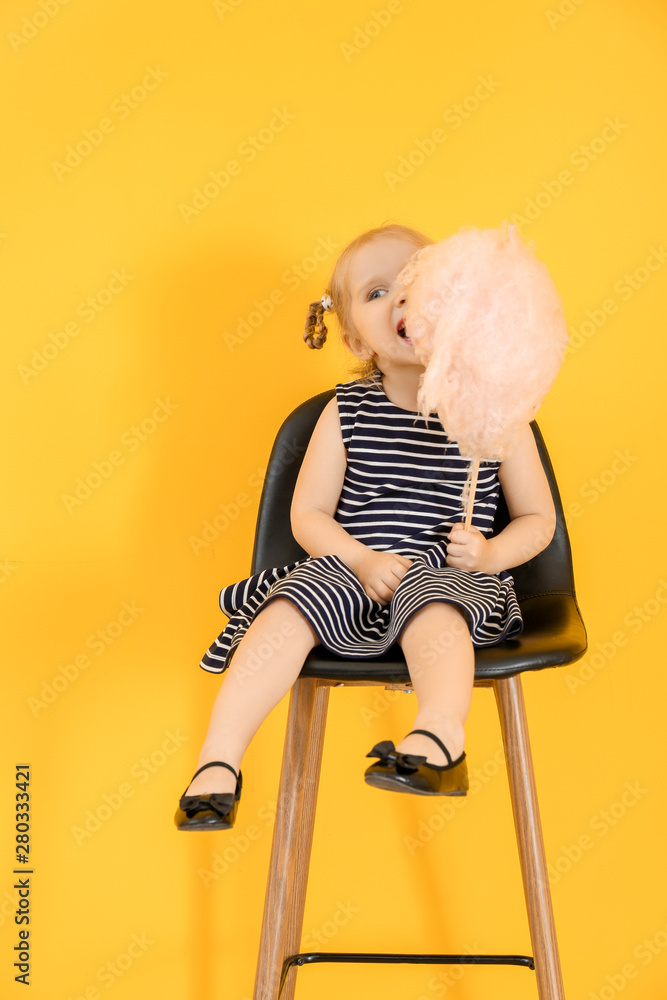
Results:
[554, 635]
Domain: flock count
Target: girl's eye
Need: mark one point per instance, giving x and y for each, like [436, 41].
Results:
[377, 291]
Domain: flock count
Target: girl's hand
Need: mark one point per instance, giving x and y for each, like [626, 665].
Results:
[468, 550]
[380, 573]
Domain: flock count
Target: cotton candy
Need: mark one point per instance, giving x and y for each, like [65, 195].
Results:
[487, 322]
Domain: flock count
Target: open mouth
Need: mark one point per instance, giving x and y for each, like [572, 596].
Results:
[401, 331]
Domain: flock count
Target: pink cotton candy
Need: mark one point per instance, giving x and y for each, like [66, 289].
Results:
[487, 322]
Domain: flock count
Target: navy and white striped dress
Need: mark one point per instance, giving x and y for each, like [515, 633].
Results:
[402, 493]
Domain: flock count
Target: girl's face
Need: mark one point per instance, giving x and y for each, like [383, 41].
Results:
[378, 304]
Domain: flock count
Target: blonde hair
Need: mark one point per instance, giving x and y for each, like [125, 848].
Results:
[338, 290]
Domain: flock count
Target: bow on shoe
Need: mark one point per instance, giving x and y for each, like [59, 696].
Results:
[218, 802]
[405, 763]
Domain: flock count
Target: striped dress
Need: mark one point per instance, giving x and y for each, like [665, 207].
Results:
[401, 493]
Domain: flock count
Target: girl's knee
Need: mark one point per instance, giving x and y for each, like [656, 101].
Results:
[438, 618]
[289, 620]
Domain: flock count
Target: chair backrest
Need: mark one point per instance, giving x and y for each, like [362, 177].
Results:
[550, 572]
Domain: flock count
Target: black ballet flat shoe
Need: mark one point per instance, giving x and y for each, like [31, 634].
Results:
[404, 772]
[216, 811]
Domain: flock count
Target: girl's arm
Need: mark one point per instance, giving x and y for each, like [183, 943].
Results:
[531, 510]
[317, 492]
[529, 503]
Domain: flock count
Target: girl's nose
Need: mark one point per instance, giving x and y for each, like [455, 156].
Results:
[399, 296]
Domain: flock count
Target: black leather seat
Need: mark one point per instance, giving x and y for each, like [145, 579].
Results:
[553, 635]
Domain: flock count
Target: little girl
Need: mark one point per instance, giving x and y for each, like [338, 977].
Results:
[377, 506]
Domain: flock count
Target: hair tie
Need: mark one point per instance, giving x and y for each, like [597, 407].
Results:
[327, 304]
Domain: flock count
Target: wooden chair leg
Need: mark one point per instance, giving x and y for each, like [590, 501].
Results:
[514, 728]
[285, 890]
[305, 834]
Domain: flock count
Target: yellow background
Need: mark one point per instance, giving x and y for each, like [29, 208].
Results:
[361, 95]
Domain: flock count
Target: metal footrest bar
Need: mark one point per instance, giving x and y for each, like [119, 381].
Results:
[312, 957]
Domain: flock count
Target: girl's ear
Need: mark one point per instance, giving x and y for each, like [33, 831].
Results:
[355, 345]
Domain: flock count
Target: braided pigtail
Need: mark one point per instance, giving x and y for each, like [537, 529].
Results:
[315, 332]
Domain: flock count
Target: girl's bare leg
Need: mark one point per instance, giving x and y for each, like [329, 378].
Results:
[264, 667]
[440, 656]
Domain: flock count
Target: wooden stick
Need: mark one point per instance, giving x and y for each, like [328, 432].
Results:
[471, 495]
